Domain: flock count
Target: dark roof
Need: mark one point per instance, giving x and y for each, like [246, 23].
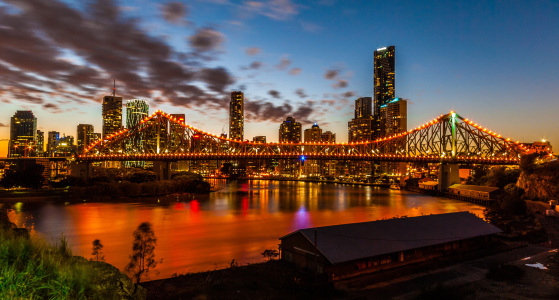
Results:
[347, 242]
[487, 189]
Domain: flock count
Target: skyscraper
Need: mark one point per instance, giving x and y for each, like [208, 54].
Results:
[136, 110]
[363, 107]
[360, 128]
[23, 128]
[40, 143]
[313, 134]
[384, 86]
[236, 116]
[396, 114]
[85, 136]
[112, 114]
[52, 142]
[290, 131]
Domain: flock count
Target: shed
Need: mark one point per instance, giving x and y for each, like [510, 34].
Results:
[351, 249]
[429, 185]
[474, 191]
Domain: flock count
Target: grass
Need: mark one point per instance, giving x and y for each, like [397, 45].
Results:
[35, 269]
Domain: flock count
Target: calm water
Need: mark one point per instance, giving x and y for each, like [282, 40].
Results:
[197, 233]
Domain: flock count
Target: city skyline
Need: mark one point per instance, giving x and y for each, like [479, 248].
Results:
[282, 79]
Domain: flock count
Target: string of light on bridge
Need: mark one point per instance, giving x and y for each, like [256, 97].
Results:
[395, 136]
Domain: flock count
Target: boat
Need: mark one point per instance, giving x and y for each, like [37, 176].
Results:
[395, 187]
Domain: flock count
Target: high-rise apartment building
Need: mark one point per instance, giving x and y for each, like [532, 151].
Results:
[290, 131]
[313, 134]
[360, 128]
[329, 137]
[136, 110]
[52, 142]
[85, 135]
[384, 86]
[236, 116]
[396, 115]
[65, 147]
[112, 114]
[363, 107]
[40, 143]
[23, 128]
[259, 139]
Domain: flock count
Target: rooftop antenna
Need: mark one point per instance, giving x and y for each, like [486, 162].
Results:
[114, 87]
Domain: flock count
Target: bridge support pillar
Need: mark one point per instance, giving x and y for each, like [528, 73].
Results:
[163, 169]
[81, 169]
[448, 175]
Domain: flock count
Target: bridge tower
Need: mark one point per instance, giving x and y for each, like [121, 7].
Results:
[449, 172]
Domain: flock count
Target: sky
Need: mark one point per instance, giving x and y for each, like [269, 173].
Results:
[494, 62]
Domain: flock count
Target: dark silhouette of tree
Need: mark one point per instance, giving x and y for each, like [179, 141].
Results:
[30, 176]
[528, 162]
[97, 250]
[270, 254]
[142, 259]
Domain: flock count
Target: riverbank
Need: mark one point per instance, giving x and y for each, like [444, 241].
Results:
[270, 280]
[32, 268]
[305, 180]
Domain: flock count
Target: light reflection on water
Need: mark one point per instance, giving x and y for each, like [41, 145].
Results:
[241, 220]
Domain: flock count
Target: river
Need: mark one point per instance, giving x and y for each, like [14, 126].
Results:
[239, 221]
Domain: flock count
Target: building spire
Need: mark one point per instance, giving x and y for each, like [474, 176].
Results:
[114, 87]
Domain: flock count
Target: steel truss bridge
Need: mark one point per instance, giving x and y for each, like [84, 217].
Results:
[448, 138]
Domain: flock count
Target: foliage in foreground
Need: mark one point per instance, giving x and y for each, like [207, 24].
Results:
[142, 259]
[33, 268]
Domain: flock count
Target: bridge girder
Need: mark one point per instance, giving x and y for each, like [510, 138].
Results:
[446, 138]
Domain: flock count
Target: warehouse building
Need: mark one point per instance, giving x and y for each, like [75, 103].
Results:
[349, 250]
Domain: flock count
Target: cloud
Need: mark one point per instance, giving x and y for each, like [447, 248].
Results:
[50, 50]
[331, 74]
[284, 62]
[348, 94]
[266, 111]
[342, 83]
[206, 39]
[301, 93]
[252, 51]
[51, 106]
[295, 71]
[279, 10]
[174, 12]
[255, 65]
[3, 125]
[217, 78]
[274, 94]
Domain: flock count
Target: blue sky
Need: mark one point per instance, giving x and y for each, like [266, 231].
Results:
[494, 62]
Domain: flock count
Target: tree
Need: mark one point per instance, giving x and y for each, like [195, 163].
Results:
[143, 256]
[270, 254]
[97, 253]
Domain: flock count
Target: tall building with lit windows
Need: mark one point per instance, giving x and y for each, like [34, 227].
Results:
[395, 115]
[360, 127]
[290, 131]
[23, 130]
[85, 136]
[53, 139]
[136, 110]
[384, 86]
[112, 114]
[236, 116]
[40, 143]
